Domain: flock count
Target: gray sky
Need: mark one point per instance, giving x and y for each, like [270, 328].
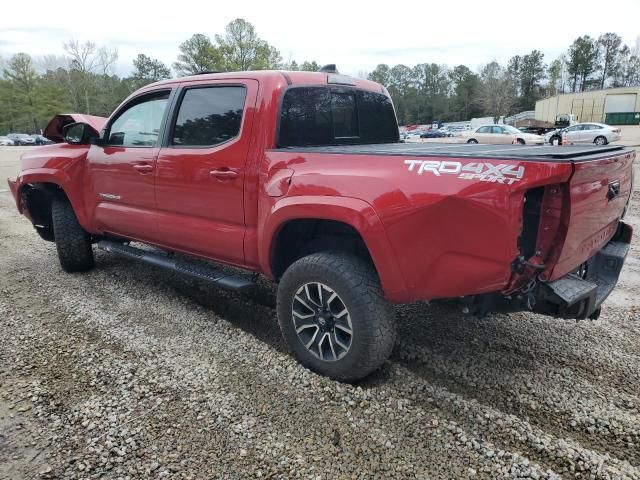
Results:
[356, 36]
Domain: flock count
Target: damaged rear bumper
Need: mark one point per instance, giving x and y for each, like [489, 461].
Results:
[580, 294]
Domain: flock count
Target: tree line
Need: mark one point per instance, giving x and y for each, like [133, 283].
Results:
[32, 90]
[428, 91]
[83, 79]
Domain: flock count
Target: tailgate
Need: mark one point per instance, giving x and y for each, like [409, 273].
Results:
[598, 192]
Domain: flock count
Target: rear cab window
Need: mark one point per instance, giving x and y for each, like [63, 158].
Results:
[318, 115]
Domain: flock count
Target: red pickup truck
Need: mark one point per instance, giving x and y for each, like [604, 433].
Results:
[301, 177]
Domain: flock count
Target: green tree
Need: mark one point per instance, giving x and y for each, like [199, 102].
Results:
[466, 89]
[242, 49]
[22, 78]
[583, 61]
[609, 44]
[532, 72]
[380, 74]
[148, 70]
[309, 66]
[555, 75]
[198, 54]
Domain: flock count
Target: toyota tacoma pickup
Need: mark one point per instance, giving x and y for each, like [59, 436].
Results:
[301, 177]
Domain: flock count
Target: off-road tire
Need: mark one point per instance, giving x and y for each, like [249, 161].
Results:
[358, 287]
[72, 242]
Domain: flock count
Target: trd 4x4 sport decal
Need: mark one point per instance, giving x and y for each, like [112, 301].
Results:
[482, 171]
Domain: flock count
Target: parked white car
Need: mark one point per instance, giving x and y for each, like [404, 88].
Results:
[591, 132]
[497, 134]
[4, 141]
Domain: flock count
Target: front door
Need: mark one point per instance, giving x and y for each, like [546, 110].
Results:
[483, 134]
[574, 134]
[121, 172]
[201, 169]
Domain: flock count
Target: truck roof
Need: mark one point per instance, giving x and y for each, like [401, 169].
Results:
[291, 77]
[461, 150]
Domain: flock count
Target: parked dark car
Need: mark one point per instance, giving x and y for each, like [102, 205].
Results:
[432, 134]
[22, 139]
[41, 140]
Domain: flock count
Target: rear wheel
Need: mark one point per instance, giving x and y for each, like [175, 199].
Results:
[72, 242]
[472, 140]
[333, 316]
[600, 140]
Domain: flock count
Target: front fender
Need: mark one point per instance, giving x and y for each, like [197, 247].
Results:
[351, 211]
[56, 177]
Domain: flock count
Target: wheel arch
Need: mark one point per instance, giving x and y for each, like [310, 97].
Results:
[353, 221]
[50, 184]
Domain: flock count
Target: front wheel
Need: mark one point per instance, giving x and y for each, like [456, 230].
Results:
[555, 140]
[472, 140]
[520, 141]
[333, 316]
[72, 242]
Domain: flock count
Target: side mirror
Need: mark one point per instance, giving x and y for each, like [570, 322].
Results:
[78, 133]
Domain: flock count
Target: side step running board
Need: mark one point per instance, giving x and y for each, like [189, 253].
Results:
[197, 270]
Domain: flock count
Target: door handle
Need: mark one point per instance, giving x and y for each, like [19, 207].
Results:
[224, 173]
[143, 168]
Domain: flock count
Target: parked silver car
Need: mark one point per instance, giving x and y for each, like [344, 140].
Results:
[591, 132]
[6, 141]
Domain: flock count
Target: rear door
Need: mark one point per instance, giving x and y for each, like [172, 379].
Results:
[500, 135]
[201, 169]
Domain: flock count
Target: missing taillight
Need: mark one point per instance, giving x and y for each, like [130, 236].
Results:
[530, 222]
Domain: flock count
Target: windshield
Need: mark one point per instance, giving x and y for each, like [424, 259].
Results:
[335, 116]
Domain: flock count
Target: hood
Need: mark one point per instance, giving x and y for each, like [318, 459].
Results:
[53, 131]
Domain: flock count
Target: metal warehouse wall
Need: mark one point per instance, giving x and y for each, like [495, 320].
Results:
[588, 106]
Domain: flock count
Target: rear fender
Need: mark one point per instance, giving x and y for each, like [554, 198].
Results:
[351, 211]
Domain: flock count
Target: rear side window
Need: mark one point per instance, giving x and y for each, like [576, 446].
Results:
[209, 116]
[333, 116]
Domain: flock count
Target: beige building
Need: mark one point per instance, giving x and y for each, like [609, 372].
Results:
[589, 106]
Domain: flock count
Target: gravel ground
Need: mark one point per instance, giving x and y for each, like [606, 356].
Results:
[131, 372]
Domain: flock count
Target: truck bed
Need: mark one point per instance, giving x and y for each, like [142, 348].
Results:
[461, 150]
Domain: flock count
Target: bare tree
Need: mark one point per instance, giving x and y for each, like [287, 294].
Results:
[497, 95]
[107, 58]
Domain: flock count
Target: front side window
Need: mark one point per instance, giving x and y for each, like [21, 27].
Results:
[139, 124]
[335, 116]
[209, 116]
